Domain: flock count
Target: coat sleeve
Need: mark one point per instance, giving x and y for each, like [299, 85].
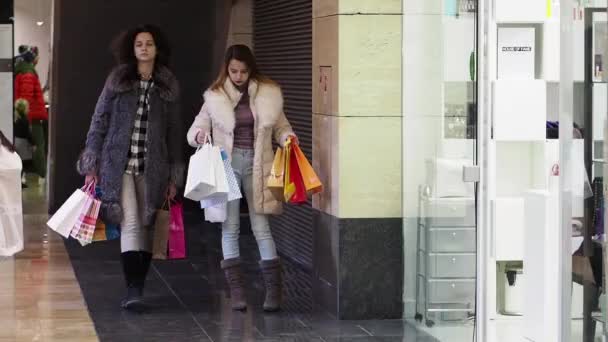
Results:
[202, 124]
[88, 162]
[282, 130]
[175, 143]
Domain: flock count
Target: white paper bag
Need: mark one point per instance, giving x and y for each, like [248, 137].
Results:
[216, 214]
[11, 213]
[234, 192]
[65, 218]
[201, 174]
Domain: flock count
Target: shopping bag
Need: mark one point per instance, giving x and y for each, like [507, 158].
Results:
[276, 180]
[200, 181]
[224, 175]
[289, 187]
[84, 228]
[309, 176]
[104, 231]
[112, 231]
[161, 232]
[66, 216]
[100, 231]
[216, 214]
[177, 237]
[299, 195]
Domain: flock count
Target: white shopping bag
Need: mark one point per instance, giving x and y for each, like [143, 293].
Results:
[234, 192]
[66, 217]
[221, 182]
[11, 212]
[216, 214]
[201, 174]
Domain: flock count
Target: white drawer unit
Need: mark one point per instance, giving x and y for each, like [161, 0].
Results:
[451, 265]
[446, 265]
[450, 212]
[452, 239]
[452, 291]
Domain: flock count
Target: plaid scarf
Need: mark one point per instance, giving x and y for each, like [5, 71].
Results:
[137, 152]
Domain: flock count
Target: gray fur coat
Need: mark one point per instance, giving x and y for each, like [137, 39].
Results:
[109, 138]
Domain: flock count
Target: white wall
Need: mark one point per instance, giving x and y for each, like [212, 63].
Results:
[27, 13]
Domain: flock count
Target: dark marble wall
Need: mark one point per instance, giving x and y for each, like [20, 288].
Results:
[358, 267]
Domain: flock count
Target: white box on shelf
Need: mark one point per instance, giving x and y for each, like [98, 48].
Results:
[508, 223]
[520, 11]
[516, 50]
[520, 109]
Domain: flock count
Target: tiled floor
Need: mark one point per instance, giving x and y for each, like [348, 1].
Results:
[41, 300]
[39, 297]
[188, 300]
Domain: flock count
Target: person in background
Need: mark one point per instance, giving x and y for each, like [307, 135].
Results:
[243, 111]
[27, 88]
[134, 148]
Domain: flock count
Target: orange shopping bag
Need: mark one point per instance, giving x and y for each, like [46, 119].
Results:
[309, 176]
[276, 180]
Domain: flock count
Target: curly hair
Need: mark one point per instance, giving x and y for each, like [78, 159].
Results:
[123, 47]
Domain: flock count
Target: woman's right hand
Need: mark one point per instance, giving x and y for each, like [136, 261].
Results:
[200, 137]
[91, 178]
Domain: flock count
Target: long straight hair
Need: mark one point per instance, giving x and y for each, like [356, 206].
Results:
[241, 53]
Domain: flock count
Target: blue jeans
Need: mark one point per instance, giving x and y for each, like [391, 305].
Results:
[242, 163]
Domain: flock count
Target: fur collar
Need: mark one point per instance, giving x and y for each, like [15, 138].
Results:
[164, 81]
[266, 100]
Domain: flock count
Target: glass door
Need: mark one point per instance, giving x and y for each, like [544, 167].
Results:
[590, 94]
[439, 170]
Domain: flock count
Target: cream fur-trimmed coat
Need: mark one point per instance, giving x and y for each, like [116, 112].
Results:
[217, 118]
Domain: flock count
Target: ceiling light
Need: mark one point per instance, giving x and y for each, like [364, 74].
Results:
[40, 23]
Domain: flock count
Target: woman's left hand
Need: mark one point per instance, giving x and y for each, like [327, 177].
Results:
[171, 191]
[294, 140]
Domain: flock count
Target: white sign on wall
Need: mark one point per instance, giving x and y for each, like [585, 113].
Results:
[516, 53]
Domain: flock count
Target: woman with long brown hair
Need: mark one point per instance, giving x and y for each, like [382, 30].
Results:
[134, 150]
[243, 111]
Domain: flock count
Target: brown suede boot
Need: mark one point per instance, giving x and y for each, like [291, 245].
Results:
[271, 269]
[234, 277]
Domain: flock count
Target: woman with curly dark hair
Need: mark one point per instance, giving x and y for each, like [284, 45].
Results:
[134, 148]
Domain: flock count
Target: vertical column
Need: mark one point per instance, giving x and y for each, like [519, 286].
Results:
[357, 144]
[241, 28]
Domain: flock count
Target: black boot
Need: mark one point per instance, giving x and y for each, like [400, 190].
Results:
[146, 260]
[132, 266]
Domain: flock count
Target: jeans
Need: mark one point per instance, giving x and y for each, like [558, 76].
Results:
[242, 163]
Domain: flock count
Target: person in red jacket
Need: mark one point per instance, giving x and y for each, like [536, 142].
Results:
[27, 87]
